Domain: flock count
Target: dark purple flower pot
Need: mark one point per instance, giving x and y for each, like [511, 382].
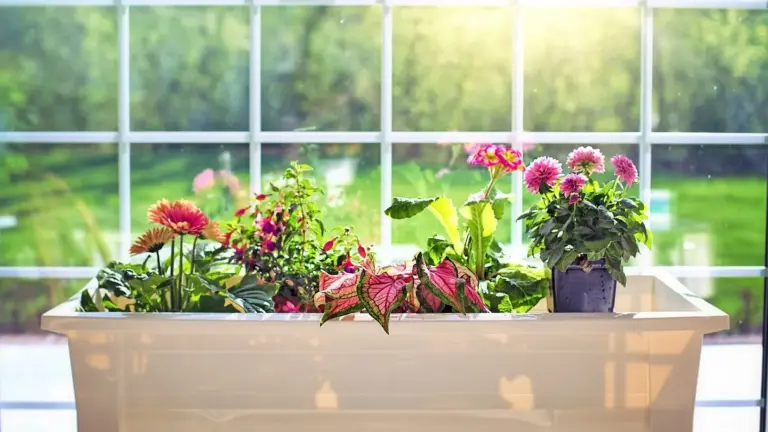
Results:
[576, 290]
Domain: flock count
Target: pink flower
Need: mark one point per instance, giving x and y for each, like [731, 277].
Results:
[267, 226]
[487, 156]
[442, 173]
[232, 182]
[586, 160]
[511, 159]
[348, 266]
[262, 197]
[282, 304]
[269, 245]
[471, 148]
[572, 184]
[626, 170]
[542, 174]
[361, 251]
[329, 244]
[241, 211]
[204, 181]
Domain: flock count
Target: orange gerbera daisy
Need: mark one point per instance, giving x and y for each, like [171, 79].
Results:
[151, 241]
[212, 232]
[182, 216]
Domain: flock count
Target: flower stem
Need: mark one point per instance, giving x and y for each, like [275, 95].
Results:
[192, 260]
[173, 281]
[159, 266]
[181, 272]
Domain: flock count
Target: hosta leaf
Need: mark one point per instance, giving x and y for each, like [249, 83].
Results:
[442, 281]
[404, 208]
[471, 287]
[381, 294]
[338, 295]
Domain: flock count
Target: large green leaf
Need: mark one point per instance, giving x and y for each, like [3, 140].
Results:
[444, 211]
[404, 208]
[482, 224]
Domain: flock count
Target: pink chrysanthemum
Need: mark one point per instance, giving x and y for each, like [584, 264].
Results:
[487, 156]
[572, 184]
[511, 159]
[586, 160]
[626, 170]
[542, 172]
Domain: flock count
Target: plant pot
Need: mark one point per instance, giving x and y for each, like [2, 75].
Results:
[576, 290]
[532, 372]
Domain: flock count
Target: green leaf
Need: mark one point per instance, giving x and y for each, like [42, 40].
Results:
[566, 260]
[499, 204]
[597, 245]
[404, 208]
[548, 226]
[215, 303]
[628, 203]
[522, 291]
[86, 302]
[444, 211]
[482, 225]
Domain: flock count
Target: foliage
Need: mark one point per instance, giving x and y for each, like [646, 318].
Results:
[196, 278]
[403, 287]
[579, 220]
[279, 238]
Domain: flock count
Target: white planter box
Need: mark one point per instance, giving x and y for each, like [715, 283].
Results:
[632, 371]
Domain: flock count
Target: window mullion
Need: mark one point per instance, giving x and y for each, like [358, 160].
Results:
[518, 100]
[124, 128]
[386, 127]
[254, 144]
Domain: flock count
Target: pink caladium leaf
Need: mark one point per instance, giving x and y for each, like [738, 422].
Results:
[432, 302]
[443, 281]
[381, 294]
[338, 293]
[470, 288]
[402, 268]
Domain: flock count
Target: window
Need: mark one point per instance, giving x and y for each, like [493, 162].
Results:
[106, 106]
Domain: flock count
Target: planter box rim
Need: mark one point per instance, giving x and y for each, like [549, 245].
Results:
[700, 315]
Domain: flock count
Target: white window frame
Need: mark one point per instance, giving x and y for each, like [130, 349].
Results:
[644, 137]
[124, 137]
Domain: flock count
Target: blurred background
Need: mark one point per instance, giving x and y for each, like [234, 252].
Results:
[189, 71]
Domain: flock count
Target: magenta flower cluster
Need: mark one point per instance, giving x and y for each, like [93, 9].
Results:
[496, 156]
[542, 174]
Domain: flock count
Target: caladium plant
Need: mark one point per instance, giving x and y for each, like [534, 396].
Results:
[404, 287]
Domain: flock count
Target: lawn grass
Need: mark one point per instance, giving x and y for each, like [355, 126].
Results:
[730, 212]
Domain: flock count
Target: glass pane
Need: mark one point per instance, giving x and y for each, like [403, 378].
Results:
[740, 347]
[710, 70]
[437, 169]
[321, 68]
[22, 302]
[214, 176]
[58, 69]
[452, 69]
[709, 204]
[189, 68]
[350, 174]
[582, 69]
[726, 419]
[58, 204]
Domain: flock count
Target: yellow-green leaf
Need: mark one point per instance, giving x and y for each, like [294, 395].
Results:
[445, 212]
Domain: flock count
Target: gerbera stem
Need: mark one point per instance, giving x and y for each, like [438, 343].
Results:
[159, 266]
[173, 281]
[181, 272]
[192, 260]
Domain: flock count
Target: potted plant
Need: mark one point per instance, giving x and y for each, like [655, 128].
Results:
[584, 231]
[152, 349]
[463, 271]
[280, 238]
